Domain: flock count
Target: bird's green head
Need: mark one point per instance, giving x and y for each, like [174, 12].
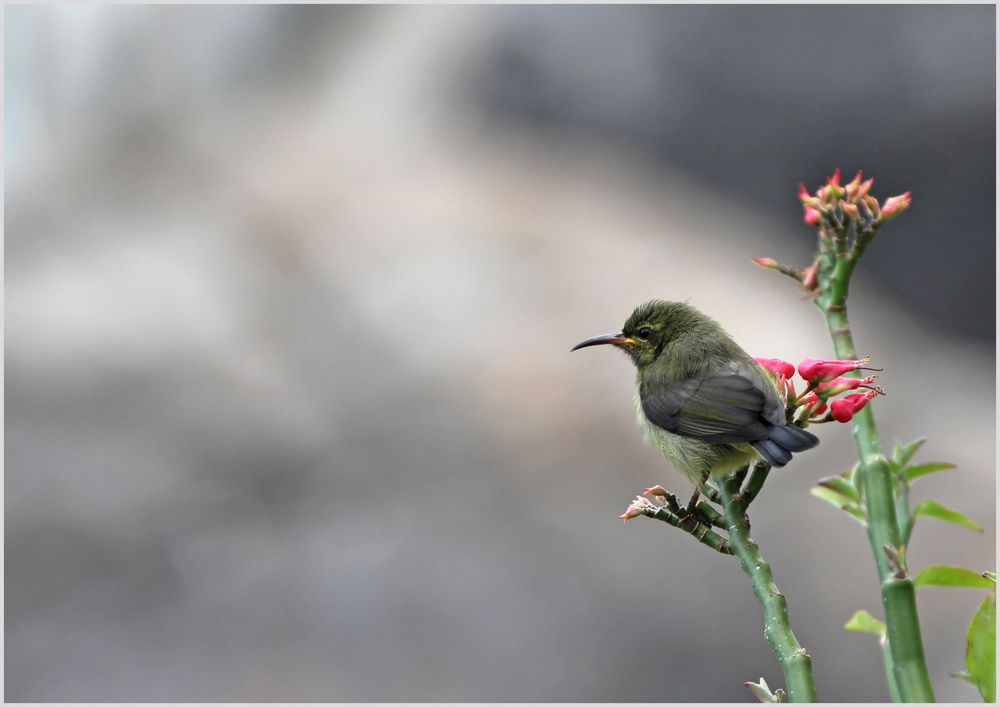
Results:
[649, 328]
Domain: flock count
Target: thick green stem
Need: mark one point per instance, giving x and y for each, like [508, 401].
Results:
[908, 678]
[902, 624]
[795, 662]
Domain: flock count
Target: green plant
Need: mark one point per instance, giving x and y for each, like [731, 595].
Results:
[875, 492]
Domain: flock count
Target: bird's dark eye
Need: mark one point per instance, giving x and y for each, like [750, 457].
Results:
[644, 333]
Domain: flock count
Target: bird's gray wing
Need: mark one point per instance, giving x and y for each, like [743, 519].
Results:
[727, 406]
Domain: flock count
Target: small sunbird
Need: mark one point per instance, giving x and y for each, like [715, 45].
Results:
[700, 398]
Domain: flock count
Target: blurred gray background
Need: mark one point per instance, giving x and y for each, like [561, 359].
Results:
[290, 292]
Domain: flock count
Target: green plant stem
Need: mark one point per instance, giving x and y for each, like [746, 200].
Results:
[795, 662]
[908, 678]
[756, 482]
[913, 684]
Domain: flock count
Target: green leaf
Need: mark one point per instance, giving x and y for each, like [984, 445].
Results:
[948, 576]
[763, 693]
[981, 655]
[865, 623]
[933, 509]
[840, 501]
[915, 472]
[839, 484]
[902, 454]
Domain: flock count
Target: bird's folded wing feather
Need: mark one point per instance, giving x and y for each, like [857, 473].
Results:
[726, 406]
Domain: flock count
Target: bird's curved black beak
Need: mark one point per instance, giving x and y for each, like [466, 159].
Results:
[616, 339]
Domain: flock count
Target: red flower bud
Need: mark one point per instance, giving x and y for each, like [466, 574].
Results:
[816, 370]
[804, 196]
[851, 210]
[895, 205]
[769, 263]
[811, 216]
[844, 409]
[863, 189]
[783, 368]
[657, 490]
[832, 190]
[872, 203]
[809, 275]
[851, 188]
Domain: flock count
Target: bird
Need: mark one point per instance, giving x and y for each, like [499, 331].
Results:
[702, 400]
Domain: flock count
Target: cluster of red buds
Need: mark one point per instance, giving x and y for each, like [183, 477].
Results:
[824, 382]
[852, 200]
[838, 210]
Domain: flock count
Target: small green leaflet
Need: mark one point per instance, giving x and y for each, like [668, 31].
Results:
[911, 473]
[902, 455]
[840, 501]
[865, 623]
[933, 509]
[947, 576]
[840, 485]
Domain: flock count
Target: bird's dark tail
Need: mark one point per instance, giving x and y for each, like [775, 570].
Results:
[782, 441]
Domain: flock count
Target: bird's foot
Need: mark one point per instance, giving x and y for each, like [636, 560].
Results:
[692, 511]
[687, 513]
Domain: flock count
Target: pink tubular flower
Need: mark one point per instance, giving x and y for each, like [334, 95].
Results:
[895, 205]
[844, 409]
[811, 216]
[804, 196]
[835, 179]
[778, 366]
[769, 263]
[839, 385]
[816, 370]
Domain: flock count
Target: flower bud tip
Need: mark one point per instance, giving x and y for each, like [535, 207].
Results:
[851, 211]
[657, 490]
[844, 409]
[895, 205]
[776, 365]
